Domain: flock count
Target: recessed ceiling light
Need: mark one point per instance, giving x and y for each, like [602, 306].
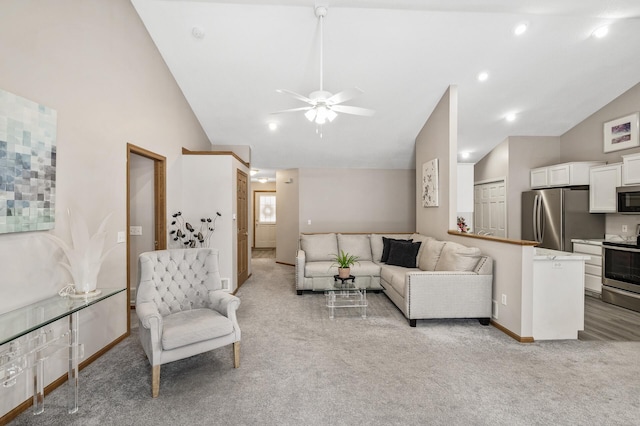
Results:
[465, 154]
[510, 117]
[273, 126]
[253, 172]
[263, 180]
[600, 32]
[483, 76]
[197, 32]
[520, 28]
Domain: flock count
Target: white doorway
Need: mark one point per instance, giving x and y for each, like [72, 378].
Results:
[490, 208]
[265, 219]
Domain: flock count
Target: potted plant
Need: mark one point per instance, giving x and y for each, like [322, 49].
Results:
[344, 261]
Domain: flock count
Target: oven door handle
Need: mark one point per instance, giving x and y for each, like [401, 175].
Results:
[608, 247]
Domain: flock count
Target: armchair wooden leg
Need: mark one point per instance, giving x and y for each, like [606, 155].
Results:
[155, 381]
[236, 354]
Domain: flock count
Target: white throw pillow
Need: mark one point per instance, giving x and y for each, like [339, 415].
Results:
[456, 257]
[357, 245]
[319, 247]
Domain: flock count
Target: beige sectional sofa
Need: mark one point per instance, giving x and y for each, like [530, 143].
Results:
[432, 279]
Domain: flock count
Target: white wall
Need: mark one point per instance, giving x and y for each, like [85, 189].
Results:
[356, 200]
[439, 139]
[95, 64]
[512, 160]
[210, 186]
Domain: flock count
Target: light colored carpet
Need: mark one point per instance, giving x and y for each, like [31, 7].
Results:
[298, 367]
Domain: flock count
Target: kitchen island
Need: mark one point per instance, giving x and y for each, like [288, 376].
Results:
[558, 294]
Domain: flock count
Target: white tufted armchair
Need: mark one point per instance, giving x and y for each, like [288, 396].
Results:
[182, 308]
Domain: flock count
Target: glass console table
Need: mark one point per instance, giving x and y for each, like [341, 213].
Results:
[26, 344]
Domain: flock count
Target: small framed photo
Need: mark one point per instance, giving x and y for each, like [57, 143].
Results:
[621, 133]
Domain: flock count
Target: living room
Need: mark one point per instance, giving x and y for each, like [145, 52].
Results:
[97, 66]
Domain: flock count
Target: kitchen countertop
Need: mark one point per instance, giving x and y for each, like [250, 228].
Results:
[548, 254]
[599, 241]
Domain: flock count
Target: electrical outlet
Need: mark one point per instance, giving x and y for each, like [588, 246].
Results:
[504, 299]
[624, 228]
[494, 313]
[309, 222]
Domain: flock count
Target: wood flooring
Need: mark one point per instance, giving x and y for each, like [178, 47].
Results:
[604, 321]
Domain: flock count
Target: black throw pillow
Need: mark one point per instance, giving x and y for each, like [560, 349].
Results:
[403, 253]
[385, 247]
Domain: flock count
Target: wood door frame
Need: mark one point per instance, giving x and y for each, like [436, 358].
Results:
[160, 208]
[255, 194]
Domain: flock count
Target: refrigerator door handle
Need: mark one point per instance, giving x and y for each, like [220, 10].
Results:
[540, 220]
[535, 218]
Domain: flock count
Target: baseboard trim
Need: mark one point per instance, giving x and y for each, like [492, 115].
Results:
[511, 333]
[59, 381]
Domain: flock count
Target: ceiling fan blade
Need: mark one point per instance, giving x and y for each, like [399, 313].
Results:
[293, 110]
[345, 95]
[295, 95]
[353, 110]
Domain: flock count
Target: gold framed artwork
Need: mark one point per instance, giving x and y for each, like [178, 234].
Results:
[430, 183]
[621, 133]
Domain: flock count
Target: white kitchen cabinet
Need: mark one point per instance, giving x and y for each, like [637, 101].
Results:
[565, 174]
[539, 178]
[592, 266]
[603, 182]
[631, 169]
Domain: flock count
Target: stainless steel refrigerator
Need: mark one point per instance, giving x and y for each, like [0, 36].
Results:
[554, 216]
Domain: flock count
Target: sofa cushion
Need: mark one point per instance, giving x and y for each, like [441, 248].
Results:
[403, 253]
[357, 245]
[377, 246]
[423, 239]
[365, 269]
[430, 254]
[395, 276]
[320, 269]
[456, 257]
[319, 247]
[386, 246]
[193, 326]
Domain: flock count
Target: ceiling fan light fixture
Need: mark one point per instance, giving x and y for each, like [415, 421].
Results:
[331, 115]
[311, 114]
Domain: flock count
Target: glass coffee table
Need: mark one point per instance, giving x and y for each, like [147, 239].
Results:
[345, 294]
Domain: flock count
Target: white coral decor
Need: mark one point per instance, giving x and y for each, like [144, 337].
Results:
[85, 256]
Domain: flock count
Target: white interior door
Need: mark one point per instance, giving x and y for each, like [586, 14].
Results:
[265, 218]
[490, 208]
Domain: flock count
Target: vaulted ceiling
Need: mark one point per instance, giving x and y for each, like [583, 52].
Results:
[403, 55]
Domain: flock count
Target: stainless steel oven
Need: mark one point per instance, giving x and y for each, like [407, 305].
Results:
[621, 274]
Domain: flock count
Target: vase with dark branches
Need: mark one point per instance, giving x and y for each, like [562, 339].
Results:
[190, 237]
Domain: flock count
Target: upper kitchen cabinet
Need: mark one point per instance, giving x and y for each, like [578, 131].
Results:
[603, 182]
[631, 169]
[565, 174]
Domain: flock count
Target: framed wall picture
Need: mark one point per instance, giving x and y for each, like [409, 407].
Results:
[621, 133]
[430, 183]
[27, 165]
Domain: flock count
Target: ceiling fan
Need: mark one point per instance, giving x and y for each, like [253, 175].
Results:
[324, 105]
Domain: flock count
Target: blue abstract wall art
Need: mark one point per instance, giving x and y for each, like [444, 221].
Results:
[27, 164]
